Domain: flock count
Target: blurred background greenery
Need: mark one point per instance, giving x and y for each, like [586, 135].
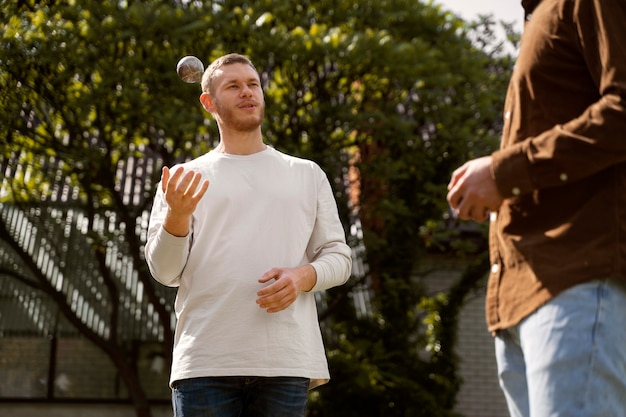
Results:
[387, 96]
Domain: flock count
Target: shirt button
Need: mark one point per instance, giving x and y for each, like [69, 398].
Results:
[563, 177]
[516, 191]
[495, 268]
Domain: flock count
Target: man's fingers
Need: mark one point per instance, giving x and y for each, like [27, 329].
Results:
[169, 181]
[183, 190]
[192, 185]
[276, 302]
[482, 216]
[455, 196]
[456, 175]
[176, 176]
[187, 185]
[273, 288]
[478, 214]
[165, 177]
[273, 273]
[200, 193]
[278, 295]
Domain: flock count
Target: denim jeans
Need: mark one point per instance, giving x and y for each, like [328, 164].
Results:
[568, 358]
[240, 397]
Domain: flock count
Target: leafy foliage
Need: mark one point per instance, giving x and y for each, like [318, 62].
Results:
[388, 96]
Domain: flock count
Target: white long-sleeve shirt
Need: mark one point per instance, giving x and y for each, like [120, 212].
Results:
[260, 211]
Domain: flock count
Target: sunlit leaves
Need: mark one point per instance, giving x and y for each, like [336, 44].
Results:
[392, 92]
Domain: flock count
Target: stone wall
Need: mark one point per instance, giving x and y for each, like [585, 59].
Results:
[480, 394]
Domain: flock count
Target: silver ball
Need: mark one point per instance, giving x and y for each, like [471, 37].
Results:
[190, 69]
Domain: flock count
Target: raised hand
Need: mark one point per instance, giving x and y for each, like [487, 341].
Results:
[183, 191]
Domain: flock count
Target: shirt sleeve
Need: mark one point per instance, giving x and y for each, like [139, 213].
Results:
[592, 140]
[166, 254]
[331, 256]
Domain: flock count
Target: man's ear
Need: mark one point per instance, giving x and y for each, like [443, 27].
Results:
[206, 101]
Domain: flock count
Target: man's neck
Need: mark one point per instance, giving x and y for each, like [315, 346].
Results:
[237, 143]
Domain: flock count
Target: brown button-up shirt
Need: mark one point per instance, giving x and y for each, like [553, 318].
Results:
[562, 162]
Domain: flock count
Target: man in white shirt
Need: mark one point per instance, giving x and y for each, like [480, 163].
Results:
[247, 234]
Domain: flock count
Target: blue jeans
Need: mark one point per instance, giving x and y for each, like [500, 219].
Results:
[568, 358]
[240, 397]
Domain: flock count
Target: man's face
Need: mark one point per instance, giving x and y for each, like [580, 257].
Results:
[238, 98]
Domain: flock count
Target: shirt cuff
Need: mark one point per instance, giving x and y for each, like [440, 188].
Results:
[511, 170]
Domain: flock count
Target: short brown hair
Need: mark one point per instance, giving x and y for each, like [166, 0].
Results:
[209, 75]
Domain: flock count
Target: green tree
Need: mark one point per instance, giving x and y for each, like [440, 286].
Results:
[398, 89]
[388, 96]
[90, 108]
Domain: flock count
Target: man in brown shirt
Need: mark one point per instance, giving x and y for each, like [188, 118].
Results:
[556, 196]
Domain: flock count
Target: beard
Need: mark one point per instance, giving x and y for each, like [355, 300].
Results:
[247, 123]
